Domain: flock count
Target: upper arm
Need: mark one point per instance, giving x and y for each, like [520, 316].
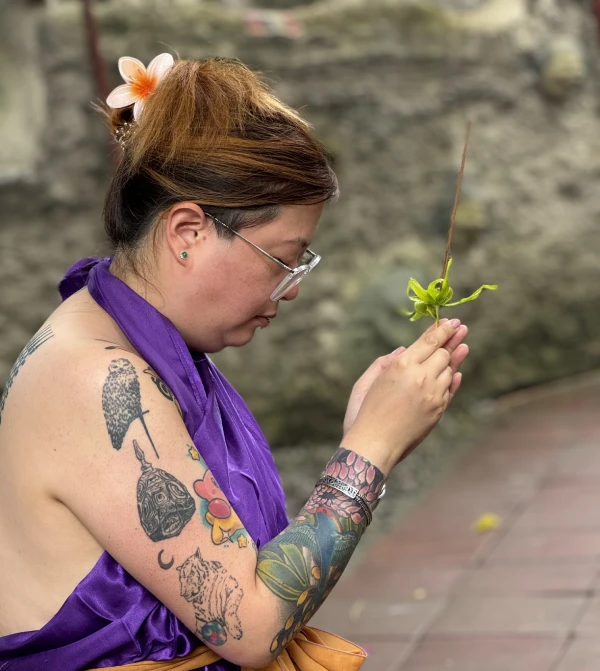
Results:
[135, 480]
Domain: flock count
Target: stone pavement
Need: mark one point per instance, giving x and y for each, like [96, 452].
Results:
[435, 595]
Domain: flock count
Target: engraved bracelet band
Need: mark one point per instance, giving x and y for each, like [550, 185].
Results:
[352, 492]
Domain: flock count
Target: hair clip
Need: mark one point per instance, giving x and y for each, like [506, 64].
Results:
[141, 82]
[123, 132]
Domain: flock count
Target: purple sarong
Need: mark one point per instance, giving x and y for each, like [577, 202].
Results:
[110, 619]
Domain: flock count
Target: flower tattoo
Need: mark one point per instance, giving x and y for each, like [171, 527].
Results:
[354, 470]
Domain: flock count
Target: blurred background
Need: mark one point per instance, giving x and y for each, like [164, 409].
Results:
[389, 86]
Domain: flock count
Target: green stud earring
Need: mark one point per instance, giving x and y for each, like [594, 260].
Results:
[183, 255]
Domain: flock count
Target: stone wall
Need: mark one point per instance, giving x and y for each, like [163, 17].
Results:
[389, 86]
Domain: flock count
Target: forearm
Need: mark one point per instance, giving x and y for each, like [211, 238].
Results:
[303, 563]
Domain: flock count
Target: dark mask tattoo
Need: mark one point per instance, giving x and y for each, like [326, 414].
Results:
[164, 504]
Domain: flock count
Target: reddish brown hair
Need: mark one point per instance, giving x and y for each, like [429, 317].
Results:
[213, 133]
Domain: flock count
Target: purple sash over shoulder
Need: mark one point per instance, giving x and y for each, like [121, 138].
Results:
[110, 619]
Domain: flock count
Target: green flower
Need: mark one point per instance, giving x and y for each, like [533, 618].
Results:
[428, 302]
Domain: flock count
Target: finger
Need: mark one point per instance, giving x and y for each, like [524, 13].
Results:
[429, 342]
[438, 362]
[445, 378]
[456, 380]
[433, 326]
[457, 338]
[458, 356]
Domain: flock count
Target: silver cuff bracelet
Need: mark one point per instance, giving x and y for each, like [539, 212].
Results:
[352, 492]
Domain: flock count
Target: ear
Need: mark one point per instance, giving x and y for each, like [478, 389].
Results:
[185, 226]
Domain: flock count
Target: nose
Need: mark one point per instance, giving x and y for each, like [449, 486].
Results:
[291, 294]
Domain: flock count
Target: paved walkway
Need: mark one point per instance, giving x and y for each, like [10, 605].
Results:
[436, 595]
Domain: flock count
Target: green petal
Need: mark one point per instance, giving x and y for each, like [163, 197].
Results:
[446, 281]
[434, 288]
[417, 290]
[472, 297]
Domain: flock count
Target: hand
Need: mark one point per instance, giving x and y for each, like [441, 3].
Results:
[408, 389]
[458, 354]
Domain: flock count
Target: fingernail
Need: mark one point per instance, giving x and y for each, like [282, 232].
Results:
[455, 323]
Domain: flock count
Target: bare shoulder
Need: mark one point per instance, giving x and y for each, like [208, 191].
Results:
[79, 382]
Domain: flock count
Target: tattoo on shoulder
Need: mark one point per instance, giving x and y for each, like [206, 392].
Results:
[122, 402]
[164, 388]
[215, 595]
[42, 336]
[113, 345]
[164, 504]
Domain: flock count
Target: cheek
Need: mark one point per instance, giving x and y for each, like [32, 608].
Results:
[244, 289]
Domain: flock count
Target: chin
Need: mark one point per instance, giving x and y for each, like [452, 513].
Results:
[239, 340]
[234, 338]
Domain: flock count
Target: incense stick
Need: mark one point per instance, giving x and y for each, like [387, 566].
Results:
[456, 197]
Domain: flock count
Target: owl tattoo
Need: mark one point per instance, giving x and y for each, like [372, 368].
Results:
[122, 401]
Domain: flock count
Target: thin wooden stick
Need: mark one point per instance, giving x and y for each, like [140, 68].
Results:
[456, 197]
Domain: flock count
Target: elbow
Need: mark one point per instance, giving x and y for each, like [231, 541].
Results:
[258, 660]
[254, 655]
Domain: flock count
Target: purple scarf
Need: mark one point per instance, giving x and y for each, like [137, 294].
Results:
[110, 619]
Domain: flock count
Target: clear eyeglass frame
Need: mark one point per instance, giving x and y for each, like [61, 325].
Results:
[295, 275]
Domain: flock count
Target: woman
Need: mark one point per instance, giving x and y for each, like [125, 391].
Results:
[140, 508]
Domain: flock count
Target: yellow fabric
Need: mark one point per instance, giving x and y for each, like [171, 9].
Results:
[311, 650]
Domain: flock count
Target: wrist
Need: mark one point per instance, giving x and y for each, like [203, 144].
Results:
[350, 485]
[371, 448]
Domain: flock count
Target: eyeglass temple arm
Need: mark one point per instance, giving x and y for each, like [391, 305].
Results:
[262, 251]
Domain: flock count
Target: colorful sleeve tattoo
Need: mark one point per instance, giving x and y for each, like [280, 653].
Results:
[302, 565]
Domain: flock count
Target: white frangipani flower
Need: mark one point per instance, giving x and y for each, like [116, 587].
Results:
[140, 82]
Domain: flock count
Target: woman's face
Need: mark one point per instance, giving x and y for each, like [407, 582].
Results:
[215, 296]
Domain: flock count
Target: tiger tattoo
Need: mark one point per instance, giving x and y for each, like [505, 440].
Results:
[215, 595]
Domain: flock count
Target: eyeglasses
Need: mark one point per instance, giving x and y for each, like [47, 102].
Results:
[295, 275]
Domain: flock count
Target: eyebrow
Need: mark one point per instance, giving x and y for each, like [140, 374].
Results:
[297, 241]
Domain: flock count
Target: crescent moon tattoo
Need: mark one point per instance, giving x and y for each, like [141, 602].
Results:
[162, 564]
